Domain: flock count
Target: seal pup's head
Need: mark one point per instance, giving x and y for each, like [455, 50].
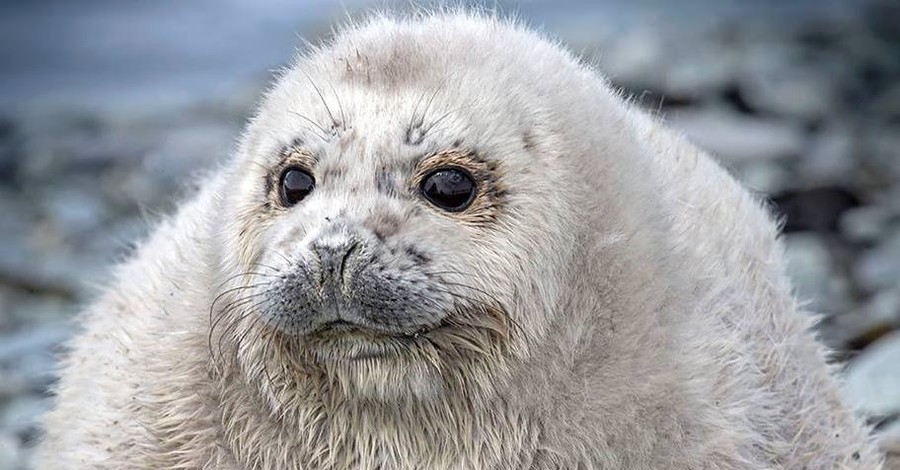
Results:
[412, 203]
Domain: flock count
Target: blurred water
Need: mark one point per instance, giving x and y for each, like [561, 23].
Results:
[106, 53]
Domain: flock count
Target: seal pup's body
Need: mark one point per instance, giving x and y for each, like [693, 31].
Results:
[607, 298]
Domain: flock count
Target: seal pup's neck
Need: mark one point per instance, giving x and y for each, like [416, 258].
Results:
[324, 430]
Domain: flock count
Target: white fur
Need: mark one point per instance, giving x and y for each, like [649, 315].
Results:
[655, 325]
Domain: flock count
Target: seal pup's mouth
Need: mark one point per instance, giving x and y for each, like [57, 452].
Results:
[347, 327]
[354, 341]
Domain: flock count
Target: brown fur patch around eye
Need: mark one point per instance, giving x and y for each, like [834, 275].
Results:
[490, 190]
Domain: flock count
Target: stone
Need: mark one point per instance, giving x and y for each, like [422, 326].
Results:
[864, 224]
[872, 380]
[890, 199]
[765, 177]
[885, 306]
[782, 79]
[889, 439]
[816, 209]
[15, 345]
[879, 267]
[829, 158]
[74, 211]
[811, 267]
[884, 152]
[12, 383]
[739, 138]
[860, 327]
[888, 104]
[637, 58]
[10, 151]
[10, 452]
[705, 71]
[20, 416]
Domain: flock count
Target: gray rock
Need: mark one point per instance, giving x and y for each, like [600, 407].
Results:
[20, 416]
[764, 176]
[829, 158]
[7, 300]
[778, 78]
[890, 199]
[864, 224]
[866, 323]
[12, 383]
[704, 71]
[15, 345]
[14, 231]
[189, 147]
[872, 381]
[40, 310]
[117, 239]
[884, 307]
[888, 104]
[884, 152]
[889, 437]
[811, 267]
[738, 138]
[74, 211]
[879, 267]
[637, 58]
[10, 452]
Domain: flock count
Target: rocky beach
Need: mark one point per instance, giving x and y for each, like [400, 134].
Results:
[803, 105]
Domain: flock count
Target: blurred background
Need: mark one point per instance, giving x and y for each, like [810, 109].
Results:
[107, 107]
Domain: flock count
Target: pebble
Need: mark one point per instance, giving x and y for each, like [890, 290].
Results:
[864, 224]
[75, 210]
[10, 151]
[10, 452]
[812, 268]
[829, 158]
[879, 267]
[702, 72]
[872, 382]
[890, 439]
[738, 138]
[14, 345]
[888, 104]
[858, 328]
[884, 153]
[763, 177]
[637, 58]
[20, 416]
[776, 80]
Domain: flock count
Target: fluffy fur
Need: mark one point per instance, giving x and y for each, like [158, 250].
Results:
[612, 299]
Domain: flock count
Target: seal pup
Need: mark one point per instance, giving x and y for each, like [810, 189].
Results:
[444, 242]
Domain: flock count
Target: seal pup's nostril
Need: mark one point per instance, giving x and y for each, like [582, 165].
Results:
[351, 252]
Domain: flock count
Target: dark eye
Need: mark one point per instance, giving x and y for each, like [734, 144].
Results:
[451, 189]
[296, 184]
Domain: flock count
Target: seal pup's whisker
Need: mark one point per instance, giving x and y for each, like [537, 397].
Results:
[320, 131]
[375, 301]
[232, 323]
[312, 82]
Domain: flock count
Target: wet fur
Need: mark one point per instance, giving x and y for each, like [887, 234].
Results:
[615, 299]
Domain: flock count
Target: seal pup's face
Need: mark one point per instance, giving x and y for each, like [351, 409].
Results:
[401, 227]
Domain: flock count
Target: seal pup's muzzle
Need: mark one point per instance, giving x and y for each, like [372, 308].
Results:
[346, 281]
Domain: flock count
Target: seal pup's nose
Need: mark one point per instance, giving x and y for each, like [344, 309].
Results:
[334, 257]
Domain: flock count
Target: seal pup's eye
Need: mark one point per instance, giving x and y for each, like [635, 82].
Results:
[296, 184]
[451, 189]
